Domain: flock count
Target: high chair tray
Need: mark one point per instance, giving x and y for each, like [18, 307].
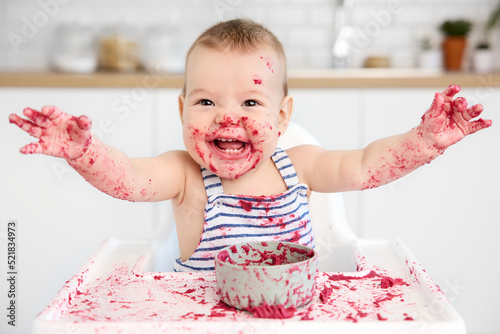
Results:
[117, 292]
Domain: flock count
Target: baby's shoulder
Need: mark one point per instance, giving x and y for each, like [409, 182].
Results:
[176, 156]
[302, 154]
[303, 158]
[180, 161]
[185, 170]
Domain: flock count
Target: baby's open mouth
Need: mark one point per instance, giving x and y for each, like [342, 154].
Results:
[229, 145]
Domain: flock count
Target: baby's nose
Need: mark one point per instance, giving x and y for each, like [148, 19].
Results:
[228, 119]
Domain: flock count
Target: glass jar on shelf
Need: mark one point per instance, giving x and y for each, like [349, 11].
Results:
[118, 50]
[73, 49]
[161, 49]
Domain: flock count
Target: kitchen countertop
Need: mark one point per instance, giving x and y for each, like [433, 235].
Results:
[314, 78]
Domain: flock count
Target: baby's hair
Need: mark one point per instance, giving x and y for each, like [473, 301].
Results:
[241, 35]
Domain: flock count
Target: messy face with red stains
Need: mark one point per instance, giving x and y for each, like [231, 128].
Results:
[233, 109]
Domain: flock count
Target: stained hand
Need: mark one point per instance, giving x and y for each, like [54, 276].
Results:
[449, 120]
[60, 135]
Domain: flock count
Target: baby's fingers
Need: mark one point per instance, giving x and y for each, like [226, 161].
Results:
[14, 119]
[460, 108]
[25, 125]
[51, 112]
[36, 117]
[436, 107]
[480, 124]
[80, 132]
[84, 122]
[451, 91]
[33, 148]
[473, 112]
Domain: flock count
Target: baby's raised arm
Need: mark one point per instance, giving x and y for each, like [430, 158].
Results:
[446, 122]
[106, 168]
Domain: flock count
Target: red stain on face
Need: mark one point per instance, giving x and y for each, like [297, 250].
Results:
[269, 63]
[257, 79]
[231, 147]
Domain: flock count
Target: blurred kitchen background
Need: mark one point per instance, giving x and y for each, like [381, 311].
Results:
[40, 33]
[447, 212]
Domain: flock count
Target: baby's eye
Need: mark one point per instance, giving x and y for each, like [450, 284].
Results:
[206, 103]
[250, 103]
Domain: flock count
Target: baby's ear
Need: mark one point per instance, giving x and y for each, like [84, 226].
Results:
[181, 101]
[285, 113]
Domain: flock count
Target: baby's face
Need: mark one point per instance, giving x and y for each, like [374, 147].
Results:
[233, 110]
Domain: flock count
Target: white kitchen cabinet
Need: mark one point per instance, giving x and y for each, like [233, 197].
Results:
[332, 116]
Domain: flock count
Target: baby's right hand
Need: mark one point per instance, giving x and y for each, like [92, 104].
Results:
[60, 135]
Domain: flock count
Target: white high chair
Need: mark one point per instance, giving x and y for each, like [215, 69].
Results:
[330, 227]
[120, 288]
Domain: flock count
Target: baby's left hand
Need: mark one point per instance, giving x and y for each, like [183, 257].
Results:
[448, 121]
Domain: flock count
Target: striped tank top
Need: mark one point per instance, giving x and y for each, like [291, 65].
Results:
[230, 219]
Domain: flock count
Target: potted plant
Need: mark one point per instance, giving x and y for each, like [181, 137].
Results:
[455, 41]
[483, 58]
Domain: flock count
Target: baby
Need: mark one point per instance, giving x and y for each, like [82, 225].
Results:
[232, 183]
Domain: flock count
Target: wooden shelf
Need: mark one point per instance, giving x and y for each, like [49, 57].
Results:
[320, 78]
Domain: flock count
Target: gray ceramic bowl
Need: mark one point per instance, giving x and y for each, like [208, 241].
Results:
[278, 273]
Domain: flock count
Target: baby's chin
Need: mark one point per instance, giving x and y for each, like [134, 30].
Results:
[233, 170]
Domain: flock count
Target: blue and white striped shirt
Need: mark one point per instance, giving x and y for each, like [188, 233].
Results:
[230, 219]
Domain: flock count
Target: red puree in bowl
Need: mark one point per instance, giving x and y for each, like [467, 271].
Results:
[254, 256]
